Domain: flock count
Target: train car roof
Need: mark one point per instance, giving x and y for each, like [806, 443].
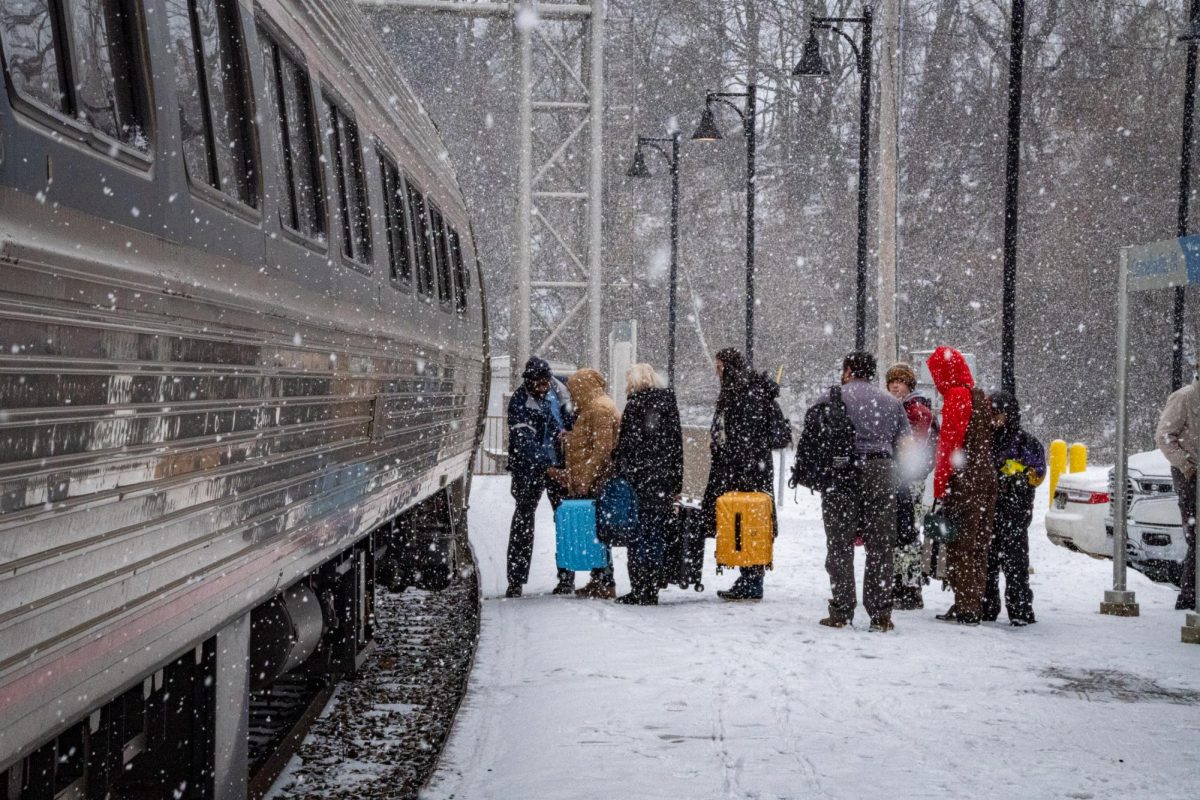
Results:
[347, 57]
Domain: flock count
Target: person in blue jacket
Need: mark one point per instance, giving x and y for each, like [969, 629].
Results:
[538, 413]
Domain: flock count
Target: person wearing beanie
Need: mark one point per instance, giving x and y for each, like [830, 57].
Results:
[1020, 460]
[862, 502]
[538, 413]
[915, 464]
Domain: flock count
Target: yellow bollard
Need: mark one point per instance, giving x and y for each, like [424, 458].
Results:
[1077, 457]
[1058, 463]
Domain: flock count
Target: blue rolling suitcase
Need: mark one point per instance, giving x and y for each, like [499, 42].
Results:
[576, 545]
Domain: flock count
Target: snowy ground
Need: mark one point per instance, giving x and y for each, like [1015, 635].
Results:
[698, 698]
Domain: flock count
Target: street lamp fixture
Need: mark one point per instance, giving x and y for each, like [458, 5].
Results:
[812, 65]
[638, 169]
[707, 131]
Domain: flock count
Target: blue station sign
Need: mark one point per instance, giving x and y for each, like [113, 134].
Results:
[1162, 265]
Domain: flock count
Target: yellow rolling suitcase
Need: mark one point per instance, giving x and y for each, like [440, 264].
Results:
[745, 529]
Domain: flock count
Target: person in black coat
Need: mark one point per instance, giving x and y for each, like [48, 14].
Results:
[1021, 462]
[740, 443]
[649, 455]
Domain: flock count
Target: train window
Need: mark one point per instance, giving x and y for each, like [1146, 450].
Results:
[99, 85]
[31, 48]
[396, 218]
[437, 230]
[351, 184]
[420, 225]
[295, 126]
[460, 273]
[210, 82]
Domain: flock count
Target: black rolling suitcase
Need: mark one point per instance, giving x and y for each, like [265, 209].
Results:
[683, 559]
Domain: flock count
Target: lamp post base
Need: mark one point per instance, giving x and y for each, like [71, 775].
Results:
[1120, 604]
[1190, 633]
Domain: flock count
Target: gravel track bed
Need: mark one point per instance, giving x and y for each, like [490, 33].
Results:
[382, 734]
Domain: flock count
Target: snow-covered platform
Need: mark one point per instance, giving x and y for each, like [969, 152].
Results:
[698, 698]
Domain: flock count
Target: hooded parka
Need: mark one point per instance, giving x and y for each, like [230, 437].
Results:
[740, 444]
[588, 446]
[740, 440]
[964, 479]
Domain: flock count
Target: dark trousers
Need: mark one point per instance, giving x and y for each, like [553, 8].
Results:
[656, 515]
[1185, 490]
[528, 494]
[1009, 553]
[864, 505]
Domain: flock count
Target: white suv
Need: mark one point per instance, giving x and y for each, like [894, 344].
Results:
[1156, 546]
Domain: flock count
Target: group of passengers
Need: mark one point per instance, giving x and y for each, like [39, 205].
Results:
[568, 439]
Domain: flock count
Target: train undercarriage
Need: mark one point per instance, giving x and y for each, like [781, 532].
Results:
[220, 720]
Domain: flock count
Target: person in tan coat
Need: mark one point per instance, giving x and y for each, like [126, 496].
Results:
[588, 455]
[1178, 436]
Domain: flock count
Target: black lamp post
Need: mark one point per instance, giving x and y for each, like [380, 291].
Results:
[707, 131]
[812, 65]
[638, 169]
[1012, 196]
[1185, 183]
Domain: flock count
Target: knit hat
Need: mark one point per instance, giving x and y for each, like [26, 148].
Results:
[904, 374]
[536, 369]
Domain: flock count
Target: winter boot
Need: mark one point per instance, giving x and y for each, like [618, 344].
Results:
[836, 618]
[565, 586]
[740, 591]
[596, 590]
[643, 591]
[882, 623]
[638, 599]
[951, 615]
[514, 590]
[906, 598]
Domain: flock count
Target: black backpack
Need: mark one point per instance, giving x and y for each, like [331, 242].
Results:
[825, 452]
[781, 429]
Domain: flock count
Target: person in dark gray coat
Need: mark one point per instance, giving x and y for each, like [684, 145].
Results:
[863, 502]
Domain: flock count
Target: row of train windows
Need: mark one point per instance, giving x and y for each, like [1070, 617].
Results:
[82, 60]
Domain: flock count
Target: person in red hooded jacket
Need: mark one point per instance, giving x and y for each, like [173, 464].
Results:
[964, 481]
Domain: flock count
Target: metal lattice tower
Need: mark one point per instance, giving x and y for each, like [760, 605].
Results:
[556, 270]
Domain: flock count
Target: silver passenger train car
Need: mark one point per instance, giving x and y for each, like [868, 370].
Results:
[243, 368]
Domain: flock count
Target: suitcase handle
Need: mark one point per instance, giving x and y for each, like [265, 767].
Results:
[737, 532]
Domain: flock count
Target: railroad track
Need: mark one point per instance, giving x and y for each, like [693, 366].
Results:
[382, 732]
